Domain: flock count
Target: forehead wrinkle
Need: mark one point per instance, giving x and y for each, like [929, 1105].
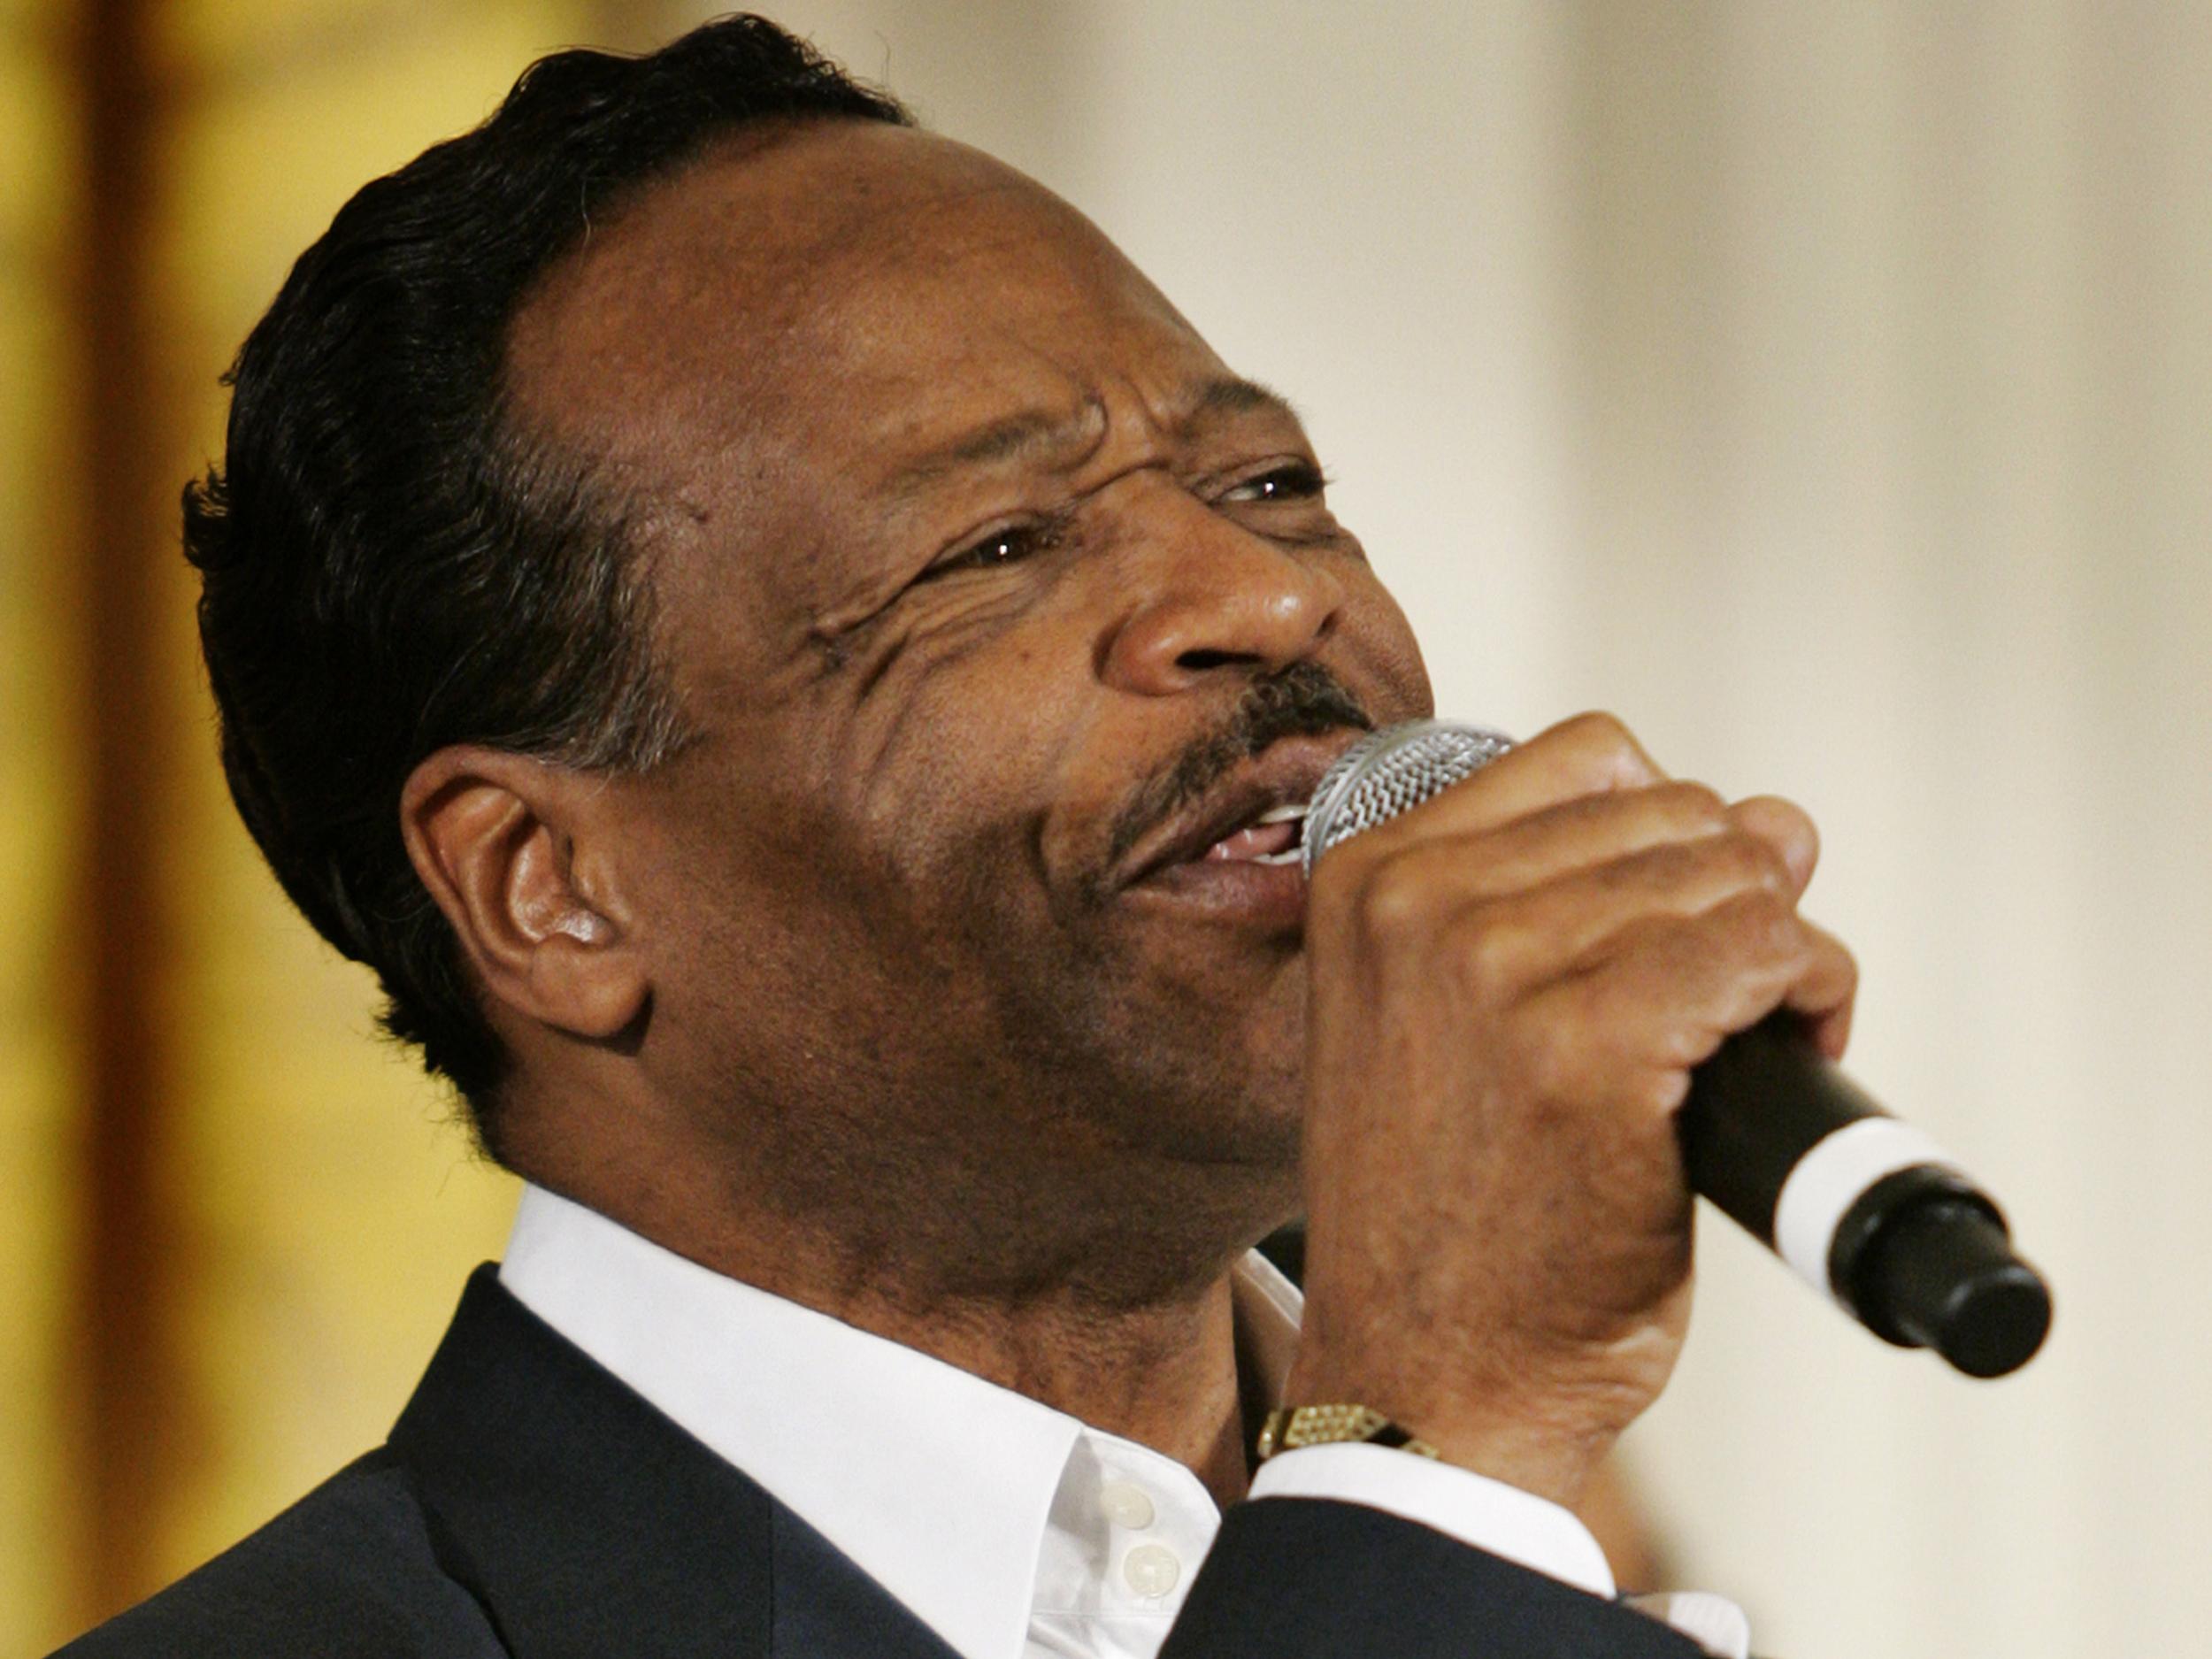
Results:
[1040, 436]
[686, 249]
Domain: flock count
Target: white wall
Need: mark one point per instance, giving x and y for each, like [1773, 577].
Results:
[1827, 389]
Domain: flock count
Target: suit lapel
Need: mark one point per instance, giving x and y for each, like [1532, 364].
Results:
[586, 1523]
[826, 1605]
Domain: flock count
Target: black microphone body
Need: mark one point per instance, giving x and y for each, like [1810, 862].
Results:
[1863, 1207]
[1894, 1230]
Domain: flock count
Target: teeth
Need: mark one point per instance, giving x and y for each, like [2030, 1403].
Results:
[1288, 856]
[1282, 814]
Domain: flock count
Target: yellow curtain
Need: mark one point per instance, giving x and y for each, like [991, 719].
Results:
[36, 795]
[222, 1289]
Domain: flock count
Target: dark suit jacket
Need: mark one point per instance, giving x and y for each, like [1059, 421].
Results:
[529, 1503]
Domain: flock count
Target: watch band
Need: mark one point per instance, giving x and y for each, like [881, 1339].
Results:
[1289, 1427]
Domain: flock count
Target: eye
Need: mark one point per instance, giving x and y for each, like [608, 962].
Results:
[1007, 545]
[1294, 481]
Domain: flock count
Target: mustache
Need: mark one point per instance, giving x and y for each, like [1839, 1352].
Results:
[1304, 700]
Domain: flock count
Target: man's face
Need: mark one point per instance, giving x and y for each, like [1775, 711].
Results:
[999, 602]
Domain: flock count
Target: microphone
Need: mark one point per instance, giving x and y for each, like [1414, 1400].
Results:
[1864, 1207]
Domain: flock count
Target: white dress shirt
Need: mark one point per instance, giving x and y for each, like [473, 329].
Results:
[1012, 1530]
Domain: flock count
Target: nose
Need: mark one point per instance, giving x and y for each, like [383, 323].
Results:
[1215, 595]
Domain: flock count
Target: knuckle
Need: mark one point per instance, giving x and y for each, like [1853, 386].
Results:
[1763, 923]
[1782, 824]
[1599, 725]
[1657, 1091]
[1784, 811]
[1755, 861]
[1686, 1044]
[1597, 752]
[1784, 933]
[1489, 951]
[1392, 902]
[1696, 805]
[1601, 733]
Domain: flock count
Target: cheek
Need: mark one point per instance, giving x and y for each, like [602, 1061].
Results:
[1380, 640]
[957, 753]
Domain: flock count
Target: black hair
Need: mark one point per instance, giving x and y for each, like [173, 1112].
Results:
[389, 565]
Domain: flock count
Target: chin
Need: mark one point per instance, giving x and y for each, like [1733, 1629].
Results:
[1218, 1114]
[1237, 1090]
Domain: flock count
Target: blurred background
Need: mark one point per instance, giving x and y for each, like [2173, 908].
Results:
[1824, 387]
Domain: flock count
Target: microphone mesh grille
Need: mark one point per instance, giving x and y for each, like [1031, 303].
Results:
[1391, 770]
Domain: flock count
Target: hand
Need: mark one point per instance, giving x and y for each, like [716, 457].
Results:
[1509, 985]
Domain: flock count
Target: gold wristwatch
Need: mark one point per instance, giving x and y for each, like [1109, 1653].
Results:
[1293, 1426]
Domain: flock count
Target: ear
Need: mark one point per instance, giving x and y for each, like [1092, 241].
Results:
[518, 854]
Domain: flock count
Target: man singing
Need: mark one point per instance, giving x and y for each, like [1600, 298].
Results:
[801, 673]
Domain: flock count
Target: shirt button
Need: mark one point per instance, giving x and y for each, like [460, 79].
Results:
[1151, 1569]
[1125, 1505]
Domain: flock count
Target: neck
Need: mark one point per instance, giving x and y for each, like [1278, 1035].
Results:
[1136, 1344]
[1162, 1374]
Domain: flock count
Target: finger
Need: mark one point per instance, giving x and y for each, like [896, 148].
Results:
[1826, 994]
[1786, 826]
[1576, 834]
[1446, 871]
[1674, 990]
[1591, 754]
[1567, 924]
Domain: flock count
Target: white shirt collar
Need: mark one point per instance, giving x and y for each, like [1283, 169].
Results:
[985, 1512]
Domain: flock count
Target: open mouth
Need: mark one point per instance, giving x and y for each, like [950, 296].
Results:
[1276, 837]
[1253, 820]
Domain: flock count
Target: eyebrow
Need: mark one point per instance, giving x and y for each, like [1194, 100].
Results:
[1039, 431]
[1233, 395]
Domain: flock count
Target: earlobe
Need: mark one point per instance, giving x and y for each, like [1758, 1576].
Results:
[494, 837]
[584, 980]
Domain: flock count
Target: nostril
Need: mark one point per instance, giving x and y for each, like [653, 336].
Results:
[1198, 662]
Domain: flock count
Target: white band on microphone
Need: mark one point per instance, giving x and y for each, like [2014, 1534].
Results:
[1829, 1179]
